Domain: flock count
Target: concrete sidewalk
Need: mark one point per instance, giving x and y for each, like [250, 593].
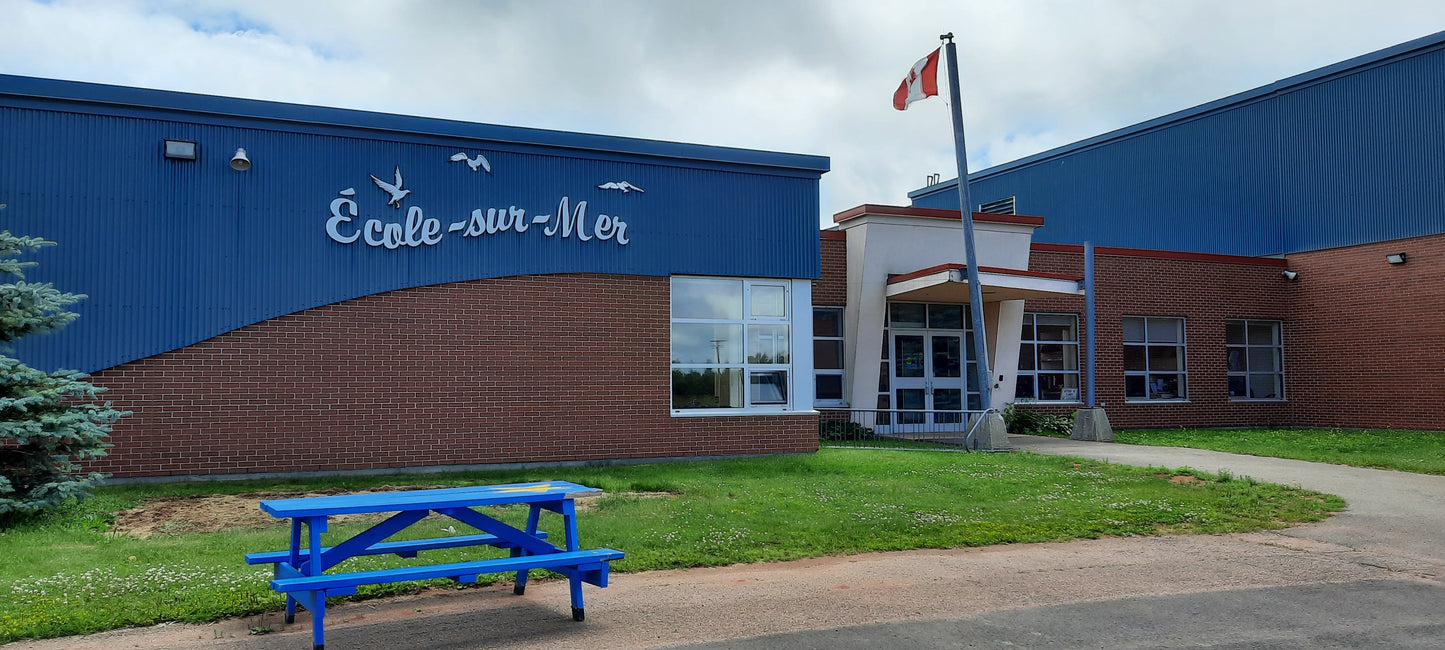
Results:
[1370, 577]
[1399, 515]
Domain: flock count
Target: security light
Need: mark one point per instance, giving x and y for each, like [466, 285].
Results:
[180, 150]
[1289, 275]
[240, 162]
[1395, 258]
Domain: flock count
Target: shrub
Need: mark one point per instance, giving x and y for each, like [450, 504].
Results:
[1035, 423]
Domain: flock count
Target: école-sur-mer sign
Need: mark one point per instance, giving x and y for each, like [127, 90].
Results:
[416, 229]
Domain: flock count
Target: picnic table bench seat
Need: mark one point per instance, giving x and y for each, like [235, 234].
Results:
[591, 564]
[402, 548]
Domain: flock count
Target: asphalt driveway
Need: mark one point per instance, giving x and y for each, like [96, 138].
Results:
[1371, 577]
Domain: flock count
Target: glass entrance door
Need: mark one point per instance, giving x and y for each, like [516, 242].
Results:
[928, 376]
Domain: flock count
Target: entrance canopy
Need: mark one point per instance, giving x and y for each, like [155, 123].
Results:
[949, 283]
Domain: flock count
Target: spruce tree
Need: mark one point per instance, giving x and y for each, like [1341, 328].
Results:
[49, 421]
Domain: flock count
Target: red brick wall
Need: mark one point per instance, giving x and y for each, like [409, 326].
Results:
[831, 288]
[1205, 294]
[1368, 345]
[520, 369]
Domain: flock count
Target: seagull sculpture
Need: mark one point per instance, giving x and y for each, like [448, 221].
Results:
[394, 189]
[620, 185]
[474, 163]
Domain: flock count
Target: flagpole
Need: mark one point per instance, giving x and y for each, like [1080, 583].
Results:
[975, 289]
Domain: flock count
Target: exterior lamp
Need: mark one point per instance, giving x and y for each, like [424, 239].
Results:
[1395, 258]
[1289, 275]
[180, 150]
[240, 162]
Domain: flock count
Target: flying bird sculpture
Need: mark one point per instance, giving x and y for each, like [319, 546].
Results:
[620, 185]
[394, 189]
[474, 163]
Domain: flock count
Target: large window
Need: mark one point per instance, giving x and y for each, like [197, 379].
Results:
[730, 344]
[1256, 359]
[1048, 359]
[828, 356]
[1154, 367]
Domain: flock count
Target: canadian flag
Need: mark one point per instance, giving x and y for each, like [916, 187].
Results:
[921, 82]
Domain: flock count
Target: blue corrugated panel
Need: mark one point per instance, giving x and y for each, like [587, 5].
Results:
[1342, 155]
[174, 252]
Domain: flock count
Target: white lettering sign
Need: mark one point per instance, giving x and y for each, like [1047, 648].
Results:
[417, 230]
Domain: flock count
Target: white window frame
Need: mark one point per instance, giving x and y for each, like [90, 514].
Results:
[1182, 372]
[1245, 348]
[798, 317]
[1076, 372]
[842, 342]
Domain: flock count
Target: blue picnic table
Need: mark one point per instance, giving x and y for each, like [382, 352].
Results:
[301, 571]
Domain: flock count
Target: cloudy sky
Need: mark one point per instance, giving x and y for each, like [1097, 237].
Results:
[804, 76]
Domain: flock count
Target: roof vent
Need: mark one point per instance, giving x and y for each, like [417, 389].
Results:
[1001, 206]
[932, 179]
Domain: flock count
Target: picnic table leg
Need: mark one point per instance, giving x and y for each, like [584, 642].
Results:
[569, 523]
[295, 562]
[318, 621]
[532, 519]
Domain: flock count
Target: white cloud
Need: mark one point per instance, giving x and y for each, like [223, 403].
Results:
[806, 76]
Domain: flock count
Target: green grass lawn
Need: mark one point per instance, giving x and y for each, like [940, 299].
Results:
[1410, 451]
[68, 572]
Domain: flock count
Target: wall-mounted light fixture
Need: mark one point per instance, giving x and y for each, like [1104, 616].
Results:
[181, 150]
[1289, 275]
[1395, 258]
[240, 162]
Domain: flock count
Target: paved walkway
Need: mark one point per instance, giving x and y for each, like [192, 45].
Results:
[1371, 577]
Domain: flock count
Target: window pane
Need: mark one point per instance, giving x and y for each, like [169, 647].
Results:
[1025, 388]
[1234, 333]
[828, 355]
[1264, 360]
[1134, 358]
[707, 298]
[1163, 357]
[1238, 387]
[827, 321]
[1028, 329]
[947, 356]
[1133, 330]
[1057, 356]
[908, 356]
[707, 343]
[769, 300]
[1236, 359]
[1026, 356]
[703, 388]
[1057, 328]
[1165, 330]
[975, 403]
[768, 344]
[770, 387]
[1263, 333]
[909, 398]
[1134, 387]
[828, 388]
[1265, 387]
[906, 314]
[946, 317]
[883, 376]
[1164, 387]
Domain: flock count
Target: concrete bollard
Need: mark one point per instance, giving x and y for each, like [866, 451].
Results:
[1092, 424]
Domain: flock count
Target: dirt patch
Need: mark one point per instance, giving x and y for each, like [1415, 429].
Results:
[169, 516]
[1185, 479]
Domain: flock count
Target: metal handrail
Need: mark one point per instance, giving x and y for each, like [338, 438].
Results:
[914, 424]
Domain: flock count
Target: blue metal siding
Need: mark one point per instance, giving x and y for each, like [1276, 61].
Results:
[1348, 154]
[175, 252]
